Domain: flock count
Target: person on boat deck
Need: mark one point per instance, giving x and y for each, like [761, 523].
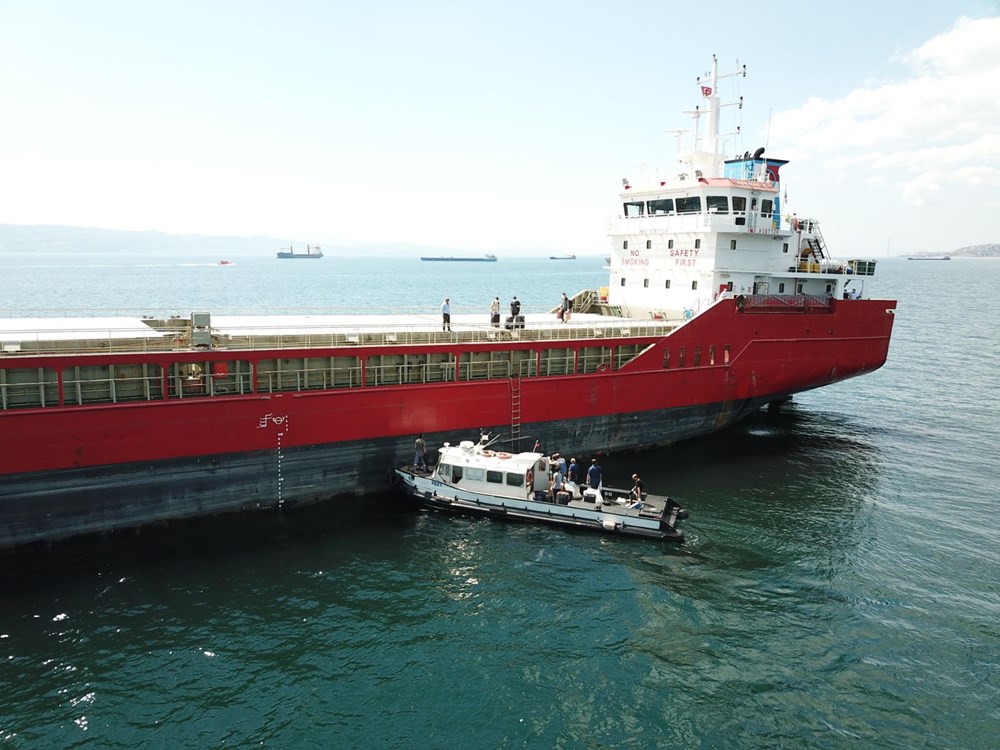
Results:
[446, 314]
[495, 312]
[557, 482]
[565, 306]
[594, 474]
[420, 453]
[561, 463]
[636, 488]
[571, 471]
[515, 308]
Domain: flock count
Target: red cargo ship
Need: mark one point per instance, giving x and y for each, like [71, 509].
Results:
[716, 306]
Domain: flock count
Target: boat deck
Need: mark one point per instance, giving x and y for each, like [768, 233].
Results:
[101, 334]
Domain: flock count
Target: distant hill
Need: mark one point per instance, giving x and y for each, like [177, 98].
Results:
[978, 251]
[40, 239]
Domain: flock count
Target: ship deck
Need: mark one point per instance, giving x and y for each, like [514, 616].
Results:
[121, 333]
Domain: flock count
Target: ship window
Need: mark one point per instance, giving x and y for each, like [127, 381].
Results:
[633, 209]
[690, 205]
[798, 288]
[666, 284]
[717, 204]
[784, 247]
[781, 288]
[725, 354]
[740, 209]
[649, 244]
[766, 207]
[661, 206]
[697, 244]
[494, 477]
[623, 281]
[515, 480]
[475, 475]
[732, 244]
[670, 244]
[680, 356]
[829, 289]
[666, 359]
[625, 245]
[645, 283]
[696, 360]
[711, 355]
[729, 286]
[694, 285]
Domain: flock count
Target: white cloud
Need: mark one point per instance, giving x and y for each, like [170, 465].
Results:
[931, 139]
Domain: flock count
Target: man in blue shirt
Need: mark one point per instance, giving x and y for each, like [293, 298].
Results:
[594, 474]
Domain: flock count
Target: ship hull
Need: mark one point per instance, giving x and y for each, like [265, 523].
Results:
[77, 470]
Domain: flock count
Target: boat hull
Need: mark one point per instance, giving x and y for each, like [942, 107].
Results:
[577, 514]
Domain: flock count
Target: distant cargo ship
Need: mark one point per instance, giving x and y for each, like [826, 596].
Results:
[562, 257]
[486, 258]
[929, 257]
[312, 251]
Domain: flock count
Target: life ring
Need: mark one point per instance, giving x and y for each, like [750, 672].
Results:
[530, 478]
[602, 367]
[488, 453]
[501, 454]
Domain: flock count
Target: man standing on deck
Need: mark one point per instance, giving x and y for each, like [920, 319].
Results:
[446, 314]
[495, 312]
[420, 453]
[594, 475]
[515, 308]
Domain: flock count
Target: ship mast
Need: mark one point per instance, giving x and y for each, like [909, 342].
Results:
[705, 159]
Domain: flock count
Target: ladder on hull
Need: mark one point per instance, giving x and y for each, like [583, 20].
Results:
[515, 413]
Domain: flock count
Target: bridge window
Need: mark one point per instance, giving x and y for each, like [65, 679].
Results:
[649, 244]
[625, 245]
[661, 206]
[645, 283]
[623, 281]
[766, 207]
[670, 244]
[740, 209]
[697, 244]
[666, 284]
[633, 210]
[689, 205]
[717, 204]
[694, 284]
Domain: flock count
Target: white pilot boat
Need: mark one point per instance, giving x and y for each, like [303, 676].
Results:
[473, 479]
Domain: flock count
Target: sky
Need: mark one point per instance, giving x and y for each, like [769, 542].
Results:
[490, 126]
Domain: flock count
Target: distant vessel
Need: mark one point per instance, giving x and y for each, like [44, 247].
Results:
[929, 257]
[485, 258]
[225, 263]
[312, 251]
[562, 257]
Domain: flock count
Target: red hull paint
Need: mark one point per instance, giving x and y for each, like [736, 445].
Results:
[772, 355]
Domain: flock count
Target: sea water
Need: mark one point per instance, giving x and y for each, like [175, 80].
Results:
[839, 586]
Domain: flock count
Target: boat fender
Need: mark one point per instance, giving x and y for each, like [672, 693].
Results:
[488, 453]
[608, 524]
[501, 454]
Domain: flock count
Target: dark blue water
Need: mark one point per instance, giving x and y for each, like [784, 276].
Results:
[839, 587]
